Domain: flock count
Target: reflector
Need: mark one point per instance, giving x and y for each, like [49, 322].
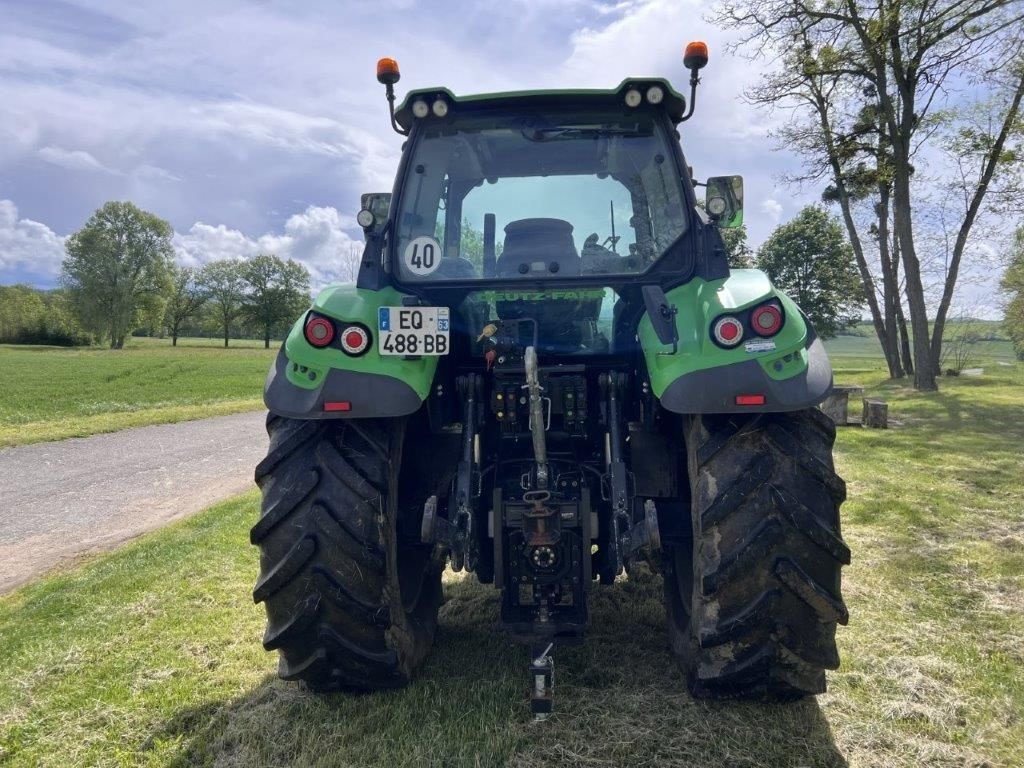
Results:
[338, 405]
[727, 331]
[750, 399]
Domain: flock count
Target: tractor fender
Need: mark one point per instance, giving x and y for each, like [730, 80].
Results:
[304, 379]
[369, 395]
[790, 369]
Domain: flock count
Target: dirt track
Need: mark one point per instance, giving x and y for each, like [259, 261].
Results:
[64, 499]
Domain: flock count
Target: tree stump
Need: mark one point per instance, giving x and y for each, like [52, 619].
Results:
[837, 405]
[876, 414]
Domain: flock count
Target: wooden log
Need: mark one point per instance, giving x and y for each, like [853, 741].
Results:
[837, 405]
[876, 414]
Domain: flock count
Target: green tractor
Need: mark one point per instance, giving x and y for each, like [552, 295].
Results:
[546, 373]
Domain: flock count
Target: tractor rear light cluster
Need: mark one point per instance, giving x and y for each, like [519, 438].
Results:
[728, 331]
[319, 331]
[766, 320]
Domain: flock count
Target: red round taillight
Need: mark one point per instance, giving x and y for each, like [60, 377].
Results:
[319, 331]
[355, 340]
[766, 320]
[728, 331]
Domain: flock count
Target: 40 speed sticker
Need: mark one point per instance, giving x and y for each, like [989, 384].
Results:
[422, 256]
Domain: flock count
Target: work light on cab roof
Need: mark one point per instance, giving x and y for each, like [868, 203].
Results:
[634, 92]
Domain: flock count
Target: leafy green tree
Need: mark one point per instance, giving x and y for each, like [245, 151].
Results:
[32, 316]
[868, 86]
[737, 251]
[117, 268]
[278, 290]
[20, 308]
[185, 300]
[226, 288]
[810, 259]
[1013, 285]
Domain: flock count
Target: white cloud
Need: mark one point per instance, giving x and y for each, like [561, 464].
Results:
[73, 159]
[318, 238]
[773, 208]
[27, 247]
[154, 173]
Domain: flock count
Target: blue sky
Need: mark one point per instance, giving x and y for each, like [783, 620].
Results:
[254, 125]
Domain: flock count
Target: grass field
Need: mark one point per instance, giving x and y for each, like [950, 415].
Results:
[151, 656]
[50, 393]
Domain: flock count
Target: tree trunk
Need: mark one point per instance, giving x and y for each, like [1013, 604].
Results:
[908, 357]
[924, 368]
[890, 286]
[266, 337]
[888, 350]
[174, 340]
[227, 332]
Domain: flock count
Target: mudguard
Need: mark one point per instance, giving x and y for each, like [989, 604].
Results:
[791, 369]
[304, 378]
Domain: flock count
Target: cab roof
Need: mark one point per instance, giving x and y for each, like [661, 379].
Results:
[673, 102]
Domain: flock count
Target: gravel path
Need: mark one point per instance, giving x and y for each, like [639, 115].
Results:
[63, 499]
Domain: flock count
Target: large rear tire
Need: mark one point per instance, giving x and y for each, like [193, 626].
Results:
[349, 606]
[754, 602]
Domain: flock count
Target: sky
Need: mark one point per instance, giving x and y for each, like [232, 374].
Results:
[254, 125]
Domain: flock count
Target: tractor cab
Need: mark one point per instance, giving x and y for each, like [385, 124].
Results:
[552, 207]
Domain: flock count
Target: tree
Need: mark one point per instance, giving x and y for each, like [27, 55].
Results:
[224, 285]
[278, 291]
[117, 266]
[186, 298]
[900, 60]
[32, 316]
[737, 251]
[810, 259]
[1013, 285]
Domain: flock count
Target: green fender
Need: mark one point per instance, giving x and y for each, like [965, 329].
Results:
[791, 369]
[303, 378]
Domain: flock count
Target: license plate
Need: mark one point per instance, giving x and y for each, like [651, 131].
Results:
[413, 330]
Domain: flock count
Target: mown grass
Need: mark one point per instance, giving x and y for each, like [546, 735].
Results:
[50, 393]
[151, 655]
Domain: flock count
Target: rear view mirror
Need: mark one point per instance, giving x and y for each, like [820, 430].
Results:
[724, 200]
[373, 211]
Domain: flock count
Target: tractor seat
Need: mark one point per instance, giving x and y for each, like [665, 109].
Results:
[455, 268]
[537, 248]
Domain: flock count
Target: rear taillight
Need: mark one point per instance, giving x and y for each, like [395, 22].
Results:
[727, 331]
[766, 320]
[319, 331]
[355, 340]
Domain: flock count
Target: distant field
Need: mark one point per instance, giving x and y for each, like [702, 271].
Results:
[151, 656]
[50, 393]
